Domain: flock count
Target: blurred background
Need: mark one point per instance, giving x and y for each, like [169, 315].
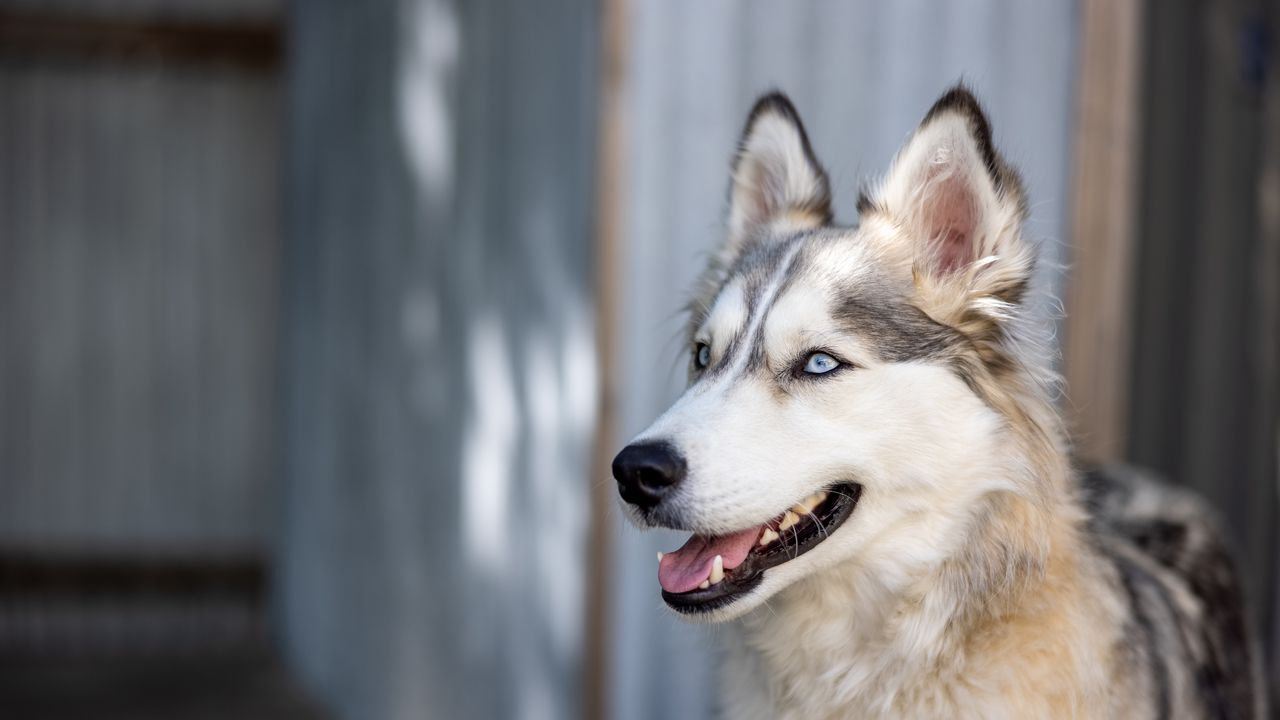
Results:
[320, 321]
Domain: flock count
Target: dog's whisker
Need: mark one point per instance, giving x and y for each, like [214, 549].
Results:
[818, 522]
[772, 612]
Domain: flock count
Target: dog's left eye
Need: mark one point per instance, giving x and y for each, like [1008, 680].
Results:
[820, 363]
[702, 355]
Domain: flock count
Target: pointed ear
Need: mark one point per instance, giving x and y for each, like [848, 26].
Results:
[776, 178]
[955, 202]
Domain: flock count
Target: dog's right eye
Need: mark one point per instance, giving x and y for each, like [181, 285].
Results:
[820, 363]
[702, 355]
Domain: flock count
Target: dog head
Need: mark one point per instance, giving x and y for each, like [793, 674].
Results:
[843, 401]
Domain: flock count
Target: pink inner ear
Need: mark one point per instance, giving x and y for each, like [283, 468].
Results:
[757, 205]
[953, 250]
[951, 221]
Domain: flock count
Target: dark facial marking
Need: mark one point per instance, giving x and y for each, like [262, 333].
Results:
[756, 269]
[897, 330]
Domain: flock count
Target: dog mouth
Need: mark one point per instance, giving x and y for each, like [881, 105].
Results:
[710, 572]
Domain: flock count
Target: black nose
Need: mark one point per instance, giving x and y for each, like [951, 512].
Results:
[647, 471]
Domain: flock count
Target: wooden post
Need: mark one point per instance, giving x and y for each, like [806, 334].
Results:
[1103, 226]
[608, 229]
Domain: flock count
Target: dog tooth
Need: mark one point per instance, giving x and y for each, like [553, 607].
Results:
[659, 556]
[717, 570]
[705, 584]
[768, 536]
[788, 519]
[808, 504]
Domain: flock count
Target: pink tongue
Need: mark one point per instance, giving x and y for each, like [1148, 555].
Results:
[684, 569]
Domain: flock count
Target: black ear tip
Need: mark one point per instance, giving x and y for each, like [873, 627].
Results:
[774, 102]
[777, 104]
[959, 99]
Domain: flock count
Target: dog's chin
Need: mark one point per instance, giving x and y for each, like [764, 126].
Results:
[777, 546]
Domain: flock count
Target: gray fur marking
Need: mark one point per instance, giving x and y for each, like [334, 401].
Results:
[894, 328]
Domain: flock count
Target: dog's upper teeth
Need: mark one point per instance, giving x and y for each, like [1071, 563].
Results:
[717, 570]
[768, 536]
[806, 506]
[788, 519]
[659, 556]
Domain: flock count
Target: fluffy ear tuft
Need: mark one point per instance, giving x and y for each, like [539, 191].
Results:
[955, 201]
[776, 178]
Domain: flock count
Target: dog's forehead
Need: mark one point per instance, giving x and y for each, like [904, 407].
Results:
[830, 280]
[729, 310]
[815, 267]
[834, 262]
[830, 257]
[837, 285]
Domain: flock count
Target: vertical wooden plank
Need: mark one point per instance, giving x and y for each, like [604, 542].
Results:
[614, 20]
[1265, 423]
[1203, 363]
[1103, 215]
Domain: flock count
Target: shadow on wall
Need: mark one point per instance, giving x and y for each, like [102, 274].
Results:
[443, 371]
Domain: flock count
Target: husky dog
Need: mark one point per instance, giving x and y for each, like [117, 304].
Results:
[876, 478]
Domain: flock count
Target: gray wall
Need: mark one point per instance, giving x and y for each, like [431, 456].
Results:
[182, 10]
[138, 298]
[861, 74]
[440, 358]
[1204, 384]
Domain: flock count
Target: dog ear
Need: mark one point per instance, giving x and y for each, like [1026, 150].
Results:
[957, 206]
[776, 178]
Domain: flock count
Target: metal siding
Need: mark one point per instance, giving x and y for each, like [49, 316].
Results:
[441, 355]
[200, 10]
[1202, 379]
[137, 328]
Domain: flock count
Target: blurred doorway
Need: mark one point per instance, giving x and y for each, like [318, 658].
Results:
[139, 300]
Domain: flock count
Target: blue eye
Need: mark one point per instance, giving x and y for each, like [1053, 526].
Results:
[820, 363]
[702, 358]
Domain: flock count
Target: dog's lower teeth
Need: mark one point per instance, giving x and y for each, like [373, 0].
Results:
[768, 535]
